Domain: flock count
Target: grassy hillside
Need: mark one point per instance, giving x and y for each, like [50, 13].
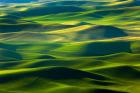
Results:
[70, 46]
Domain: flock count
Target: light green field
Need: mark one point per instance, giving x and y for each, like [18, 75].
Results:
[89, 46]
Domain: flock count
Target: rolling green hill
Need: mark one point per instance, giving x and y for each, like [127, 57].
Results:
[70, 46]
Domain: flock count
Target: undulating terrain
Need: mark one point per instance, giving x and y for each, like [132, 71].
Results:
[69, 46]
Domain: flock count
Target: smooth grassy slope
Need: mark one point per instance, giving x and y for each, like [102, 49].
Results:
[93, 48]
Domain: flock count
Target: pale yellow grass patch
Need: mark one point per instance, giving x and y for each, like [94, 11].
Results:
[69, 30]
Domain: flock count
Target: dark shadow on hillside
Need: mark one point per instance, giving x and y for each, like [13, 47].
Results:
[57, 73]
[103, 13]
[105, 48]
[8, 52]
[17, 27]
[123, 72]
[75, 3]
[5, 65]
[8, 46]
[9, 55]
[46, 10]
[45, 57]
[101, 32]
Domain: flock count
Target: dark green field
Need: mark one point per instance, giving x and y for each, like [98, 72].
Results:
[70, 46]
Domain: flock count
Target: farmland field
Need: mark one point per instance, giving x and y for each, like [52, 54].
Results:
[69, 46]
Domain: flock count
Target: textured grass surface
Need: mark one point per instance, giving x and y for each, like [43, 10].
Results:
[76, 46]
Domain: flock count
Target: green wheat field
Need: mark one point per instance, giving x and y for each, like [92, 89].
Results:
[70, 46]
